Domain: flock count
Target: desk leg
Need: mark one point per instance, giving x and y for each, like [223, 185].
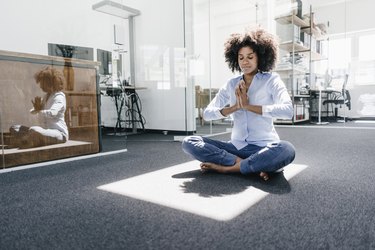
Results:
[134, 113]
[119, 108]
[118, 122]
[320, 110]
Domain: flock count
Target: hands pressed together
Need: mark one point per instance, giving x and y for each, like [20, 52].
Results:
[242, 102]
[241, 95]
[37, 103]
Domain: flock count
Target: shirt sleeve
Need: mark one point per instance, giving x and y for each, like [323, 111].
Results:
[57, 106]
[212, 111]
[282, 107]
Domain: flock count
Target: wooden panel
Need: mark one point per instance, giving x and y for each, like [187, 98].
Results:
[16, 156]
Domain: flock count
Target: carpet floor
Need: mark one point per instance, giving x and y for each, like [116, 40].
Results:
[328, 205]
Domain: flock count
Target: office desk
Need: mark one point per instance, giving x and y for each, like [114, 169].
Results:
[326, 111]
[126, 96]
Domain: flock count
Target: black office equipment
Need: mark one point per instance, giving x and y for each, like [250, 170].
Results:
[340, 98]
[127, 97]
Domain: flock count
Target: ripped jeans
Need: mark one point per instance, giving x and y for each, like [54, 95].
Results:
[255, 159]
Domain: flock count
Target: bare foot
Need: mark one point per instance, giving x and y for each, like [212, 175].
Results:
[264, 176]
[208, 166]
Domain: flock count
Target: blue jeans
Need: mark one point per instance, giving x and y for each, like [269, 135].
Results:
[254, 158]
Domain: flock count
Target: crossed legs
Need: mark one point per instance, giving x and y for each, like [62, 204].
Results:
[223, 157]
[35, 136]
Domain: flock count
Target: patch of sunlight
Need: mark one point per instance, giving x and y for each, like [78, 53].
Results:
[170, 187]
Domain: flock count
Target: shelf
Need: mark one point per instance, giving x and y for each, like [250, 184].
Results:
[298, 48]
[305, 26]
[289, 70]
[293, 46]
[316, 34]
[292, 19]
[317, 57]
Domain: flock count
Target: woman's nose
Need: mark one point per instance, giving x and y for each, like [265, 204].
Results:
[244, 62]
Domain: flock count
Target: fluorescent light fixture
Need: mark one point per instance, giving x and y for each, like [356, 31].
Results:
[115, 9]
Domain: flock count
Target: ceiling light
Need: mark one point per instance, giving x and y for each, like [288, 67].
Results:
[115, 9]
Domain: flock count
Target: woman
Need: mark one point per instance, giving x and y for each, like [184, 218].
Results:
[50, 109]
[253, 99]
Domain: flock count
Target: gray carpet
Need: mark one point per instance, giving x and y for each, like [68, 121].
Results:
[330, 205]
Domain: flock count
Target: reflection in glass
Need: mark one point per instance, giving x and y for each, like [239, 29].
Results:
[63, 120]
[50, 111]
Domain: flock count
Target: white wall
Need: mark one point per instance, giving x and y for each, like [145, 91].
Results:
[28, 26]
[161, 66]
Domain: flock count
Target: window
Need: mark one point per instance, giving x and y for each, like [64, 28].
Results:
[340, 55]
[365, 72]
[366, 48]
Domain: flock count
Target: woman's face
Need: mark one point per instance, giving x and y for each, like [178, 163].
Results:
[248, 60]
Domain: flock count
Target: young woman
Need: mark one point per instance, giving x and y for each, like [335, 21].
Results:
[50, 110]
[253, 99]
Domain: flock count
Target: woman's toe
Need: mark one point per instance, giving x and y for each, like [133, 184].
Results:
[264, 176]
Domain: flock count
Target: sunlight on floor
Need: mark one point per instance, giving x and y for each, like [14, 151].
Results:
[170, 187]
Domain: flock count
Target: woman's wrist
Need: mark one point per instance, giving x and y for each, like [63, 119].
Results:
[254, 108]
[235, 108]
[228, 110]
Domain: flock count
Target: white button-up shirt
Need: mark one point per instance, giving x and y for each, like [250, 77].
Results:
[52, 115]
[266, 90]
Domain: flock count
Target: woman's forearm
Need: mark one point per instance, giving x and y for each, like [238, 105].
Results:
[254, 108]
[228, 110]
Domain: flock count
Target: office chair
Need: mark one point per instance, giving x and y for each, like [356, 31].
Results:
[340, 98]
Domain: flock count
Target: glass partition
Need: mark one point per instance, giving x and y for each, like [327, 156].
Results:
[213, 22]
[330, 44]
[84, 47]
[48, 108]
[171, 73]
[350, 54]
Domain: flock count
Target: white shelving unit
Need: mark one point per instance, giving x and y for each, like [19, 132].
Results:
[298, 51]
